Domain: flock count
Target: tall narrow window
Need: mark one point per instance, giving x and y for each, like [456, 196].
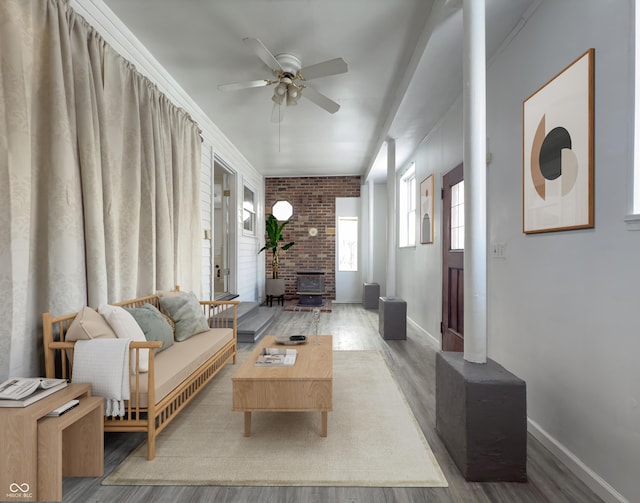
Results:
[635, 204]
[407, 208]
[347, 243]
[633, 219]
[457, 216]
[249, 211]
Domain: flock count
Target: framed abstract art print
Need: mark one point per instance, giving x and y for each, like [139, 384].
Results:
[557, 151]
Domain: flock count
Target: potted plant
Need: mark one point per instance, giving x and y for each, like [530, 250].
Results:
[274, 242]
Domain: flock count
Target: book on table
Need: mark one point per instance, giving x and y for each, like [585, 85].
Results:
[23, 391]
[276, 357]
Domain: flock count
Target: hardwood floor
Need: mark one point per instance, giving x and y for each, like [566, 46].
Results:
[413, 364]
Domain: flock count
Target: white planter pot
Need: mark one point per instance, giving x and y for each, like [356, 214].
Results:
[275, 287]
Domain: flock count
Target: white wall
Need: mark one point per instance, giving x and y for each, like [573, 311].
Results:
[380, 237]
[439, 153]
[250, 266]
[562, 307]
[206, 204]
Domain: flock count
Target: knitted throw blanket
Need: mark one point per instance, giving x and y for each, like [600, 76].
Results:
[104, 363]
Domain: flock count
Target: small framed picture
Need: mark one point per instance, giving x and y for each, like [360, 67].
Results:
[426, 210]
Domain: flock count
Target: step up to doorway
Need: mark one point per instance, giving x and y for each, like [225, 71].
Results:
[226, 296]
[253, 320]
[244, 309]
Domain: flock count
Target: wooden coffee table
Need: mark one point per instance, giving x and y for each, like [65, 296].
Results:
[305, 386]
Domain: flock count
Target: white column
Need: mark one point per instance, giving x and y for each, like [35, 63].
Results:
[372, 228]
[475, 183]
[391, 218]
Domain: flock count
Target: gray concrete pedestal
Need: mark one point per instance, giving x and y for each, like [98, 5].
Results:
[370, 295]
[481, 417]
[392, 318]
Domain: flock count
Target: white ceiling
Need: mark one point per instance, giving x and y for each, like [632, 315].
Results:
[405, 71]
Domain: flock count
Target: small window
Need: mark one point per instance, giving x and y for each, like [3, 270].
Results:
[249, 211]
[347, 243]
[407, 208]
[457, 216]
[282, 210]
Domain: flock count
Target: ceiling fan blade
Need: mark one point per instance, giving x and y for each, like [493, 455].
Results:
[330, 67]
[263, 53]
[243, 85]
[320, 99]
[277, 113]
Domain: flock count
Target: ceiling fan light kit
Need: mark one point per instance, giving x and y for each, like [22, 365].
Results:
[292, 95]
[280, 91]
[288, 70]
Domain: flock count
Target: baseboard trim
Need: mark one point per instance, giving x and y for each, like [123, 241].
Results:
[432, 340]
[596, 483]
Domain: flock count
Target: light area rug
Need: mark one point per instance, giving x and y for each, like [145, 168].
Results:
[373, 439]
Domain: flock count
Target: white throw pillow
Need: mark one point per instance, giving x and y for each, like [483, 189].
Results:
[126, 327]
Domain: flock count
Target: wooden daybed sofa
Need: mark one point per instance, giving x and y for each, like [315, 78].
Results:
[175, 375]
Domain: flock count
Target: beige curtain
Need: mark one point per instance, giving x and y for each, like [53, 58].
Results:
[99, 178]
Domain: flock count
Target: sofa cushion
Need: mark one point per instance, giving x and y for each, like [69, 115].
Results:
[170, 322]
[126, 327]
[154, 325]
[176, 364]
[187, 314]
[89, 324]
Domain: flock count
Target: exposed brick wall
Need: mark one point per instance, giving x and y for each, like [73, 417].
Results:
[314, 205]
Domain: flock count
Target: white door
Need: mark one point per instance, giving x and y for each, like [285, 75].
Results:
[223, 236]
[348, 275]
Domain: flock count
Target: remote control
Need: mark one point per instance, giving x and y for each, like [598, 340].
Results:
[63, 408]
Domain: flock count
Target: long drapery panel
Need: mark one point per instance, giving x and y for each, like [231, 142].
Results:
[99, 178]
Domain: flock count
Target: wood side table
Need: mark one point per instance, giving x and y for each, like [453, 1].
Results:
[36, 451]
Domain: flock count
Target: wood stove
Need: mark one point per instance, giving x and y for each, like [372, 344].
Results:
[310, 287]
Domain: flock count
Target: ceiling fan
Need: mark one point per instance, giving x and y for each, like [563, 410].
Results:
[290, 79]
